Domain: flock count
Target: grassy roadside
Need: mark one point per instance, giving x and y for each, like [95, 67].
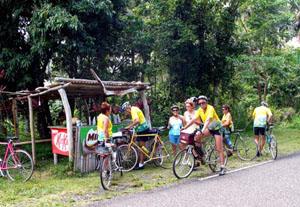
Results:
[58, 186]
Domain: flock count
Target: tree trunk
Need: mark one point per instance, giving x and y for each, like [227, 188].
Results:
[257, 83]
[44, 120]
[266, 81]
[216, 93]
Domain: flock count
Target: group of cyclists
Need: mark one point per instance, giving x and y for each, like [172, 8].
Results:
[202, 122]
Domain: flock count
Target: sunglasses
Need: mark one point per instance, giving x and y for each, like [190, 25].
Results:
[202, 103]
[174, 110]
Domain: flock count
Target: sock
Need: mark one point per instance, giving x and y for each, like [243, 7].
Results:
[141, 164]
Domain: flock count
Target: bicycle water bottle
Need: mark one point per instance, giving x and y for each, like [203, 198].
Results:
[114, 156]
[145, 149]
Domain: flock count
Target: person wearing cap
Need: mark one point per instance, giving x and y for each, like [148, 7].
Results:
[174, 125]
[140, 126]
[212, 126]
[227, 127]
[262, 115]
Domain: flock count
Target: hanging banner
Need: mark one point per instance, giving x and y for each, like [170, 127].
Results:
[60, 144]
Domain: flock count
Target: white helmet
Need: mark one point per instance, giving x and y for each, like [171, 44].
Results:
[124, 106]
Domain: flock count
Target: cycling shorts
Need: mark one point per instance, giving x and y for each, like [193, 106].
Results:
[259, 131]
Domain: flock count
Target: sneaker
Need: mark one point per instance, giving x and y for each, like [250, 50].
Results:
[258, 154]
[222, 171]
[140, 168]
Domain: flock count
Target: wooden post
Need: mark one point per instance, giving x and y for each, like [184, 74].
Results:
[146, 108]
[67, 108]
[15, 117]
[31, 123]
[55, 159]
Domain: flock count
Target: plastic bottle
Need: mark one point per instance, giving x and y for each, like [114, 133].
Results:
[145, 149]
[114, 155]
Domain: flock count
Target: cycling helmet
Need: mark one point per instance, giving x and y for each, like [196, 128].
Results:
[192, 99]
[202, 97]
[124, 106]
[263, 103]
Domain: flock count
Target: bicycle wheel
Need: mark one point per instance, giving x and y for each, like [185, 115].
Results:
[164, 156]
[214, 159]
[19, 166]
[273, 147]
[105, 172]
[129, 157]
[246, 148]
[97, 162]
[183, 163]
[118, 163]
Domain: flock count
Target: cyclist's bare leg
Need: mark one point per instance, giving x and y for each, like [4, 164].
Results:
[256, 139]
[141, 155]
[198, 139]
[262, 143]
[219, 148]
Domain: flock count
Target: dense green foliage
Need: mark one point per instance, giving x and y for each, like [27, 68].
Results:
[233, 51]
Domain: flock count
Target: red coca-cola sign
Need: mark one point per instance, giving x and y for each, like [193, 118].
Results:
[60, 144]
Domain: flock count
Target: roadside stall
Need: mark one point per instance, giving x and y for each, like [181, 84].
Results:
[77, 140]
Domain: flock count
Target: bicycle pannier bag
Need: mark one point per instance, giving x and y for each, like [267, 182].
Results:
[186, 138]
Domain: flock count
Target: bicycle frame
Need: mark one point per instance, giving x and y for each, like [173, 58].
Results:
[150, 155]
[9, 150]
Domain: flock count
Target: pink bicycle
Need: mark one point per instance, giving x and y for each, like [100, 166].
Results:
[17, 164]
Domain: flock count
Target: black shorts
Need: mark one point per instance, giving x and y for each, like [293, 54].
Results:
[259, 131]
[144, 138]
[214, 132]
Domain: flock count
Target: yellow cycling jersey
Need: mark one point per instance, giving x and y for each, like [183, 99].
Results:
[260, 116]
[137, 113]
[100, 126]
[209, 113]
[227, 117]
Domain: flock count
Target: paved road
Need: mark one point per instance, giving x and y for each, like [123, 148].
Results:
[271, 184]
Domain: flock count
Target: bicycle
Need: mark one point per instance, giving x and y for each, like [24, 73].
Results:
[272, 147]
[185, 159]
[158, 152]
[109, 159]
[245, 147]
[17, 164]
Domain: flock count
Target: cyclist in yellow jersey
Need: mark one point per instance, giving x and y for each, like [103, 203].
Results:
[140, 126]
[262, 115]
[104, 125]
[212, 125]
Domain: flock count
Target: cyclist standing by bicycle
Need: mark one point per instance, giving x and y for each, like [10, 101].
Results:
[262, 115]
[104, 125]
[140, 126]
[227, 127]
[212, 125]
